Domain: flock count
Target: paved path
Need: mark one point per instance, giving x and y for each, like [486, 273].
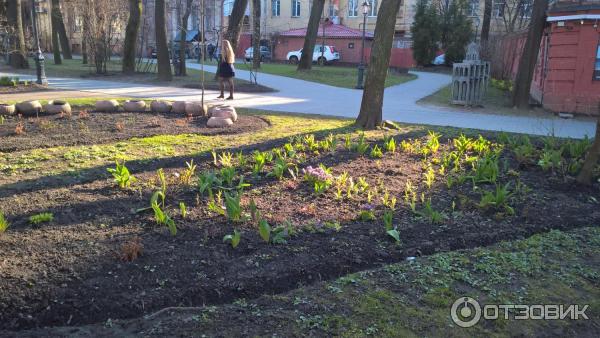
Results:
[308, 97]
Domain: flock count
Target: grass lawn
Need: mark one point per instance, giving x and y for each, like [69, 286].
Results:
[74, 68]
[496, 101]
[295, 225]
[344, 77]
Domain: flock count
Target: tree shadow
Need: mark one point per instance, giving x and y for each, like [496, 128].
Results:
[99, 172]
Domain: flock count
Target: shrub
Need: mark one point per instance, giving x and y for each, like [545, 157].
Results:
[550, 159]
[44, 217]
[434, 217]
[498, 199]
[389, 144]
[320, 178]
[233, 207]
[426, 33]
[376, 152]
[160, 216]
[3, 223]
[234, 238]
[207, 181]
[122, 175]
[485, 169]
[131, 249]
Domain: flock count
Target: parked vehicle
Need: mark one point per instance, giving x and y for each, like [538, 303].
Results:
[265, 53]
[320, 55]
[439, 60]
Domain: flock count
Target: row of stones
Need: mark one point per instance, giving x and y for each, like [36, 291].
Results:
[219, 115]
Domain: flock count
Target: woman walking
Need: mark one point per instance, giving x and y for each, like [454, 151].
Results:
[226, 70]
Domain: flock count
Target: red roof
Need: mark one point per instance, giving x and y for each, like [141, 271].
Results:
[331, 31]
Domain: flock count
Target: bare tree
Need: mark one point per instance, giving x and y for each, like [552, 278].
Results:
[131, 36]
[256, 56]
[487, 20]
[102, 21]
[513, 14]
[371, 107]
[529, 56]
[57, 19]
[310, 39]
[162, 50]
[236, 20]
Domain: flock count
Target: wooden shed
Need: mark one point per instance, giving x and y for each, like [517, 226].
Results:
[567, 77]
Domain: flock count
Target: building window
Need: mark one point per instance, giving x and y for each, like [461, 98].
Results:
[597, 68]
[332, 9]
[498, 9]
[295, 8]
[473, 9]
[276, 7]
[352, 8]
[373, 10]
[227, 7]
[525, 7]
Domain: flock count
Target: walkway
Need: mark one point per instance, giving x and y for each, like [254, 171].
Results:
[298, 96]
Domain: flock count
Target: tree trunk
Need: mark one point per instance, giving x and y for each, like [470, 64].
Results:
[131, 34]
[11, 18]
[585, 176]
[162, 50]
[19, 28]
[236, 19]
[84, 54]
[487, 19]
[55, 43]
[371, 107]
[183, 37]
[311, 35]
[60, 28]
[530, 53]
[256, 56]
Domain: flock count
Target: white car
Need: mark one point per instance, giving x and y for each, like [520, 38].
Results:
[265, 53]
[320, 55]
[439, 60]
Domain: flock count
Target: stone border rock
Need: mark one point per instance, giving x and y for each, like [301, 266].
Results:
[224, 111]
[7, 109]
[219, 122]
[134, 105]
[29, 107]
[57, 107]
[196, 109]
[178, 107]
[158, 106]
[107, 106]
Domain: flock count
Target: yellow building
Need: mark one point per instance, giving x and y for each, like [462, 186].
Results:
[282, 15]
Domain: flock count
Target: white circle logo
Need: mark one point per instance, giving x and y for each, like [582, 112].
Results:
[465, 312]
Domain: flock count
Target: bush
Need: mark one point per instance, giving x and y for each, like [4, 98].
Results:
[426, 33]
[456, 31]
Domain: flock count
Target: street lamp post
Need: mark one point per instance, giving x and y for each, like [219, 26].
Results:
[477, 21]
[39, 56]
[361, 67]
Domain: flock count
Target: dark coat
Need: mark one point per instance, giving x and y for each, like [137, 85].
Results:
[226, 70]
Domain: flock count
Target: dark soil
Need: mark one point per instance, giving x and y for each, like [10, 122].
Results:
[23, 88]
[97, 128]
[69, 271]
